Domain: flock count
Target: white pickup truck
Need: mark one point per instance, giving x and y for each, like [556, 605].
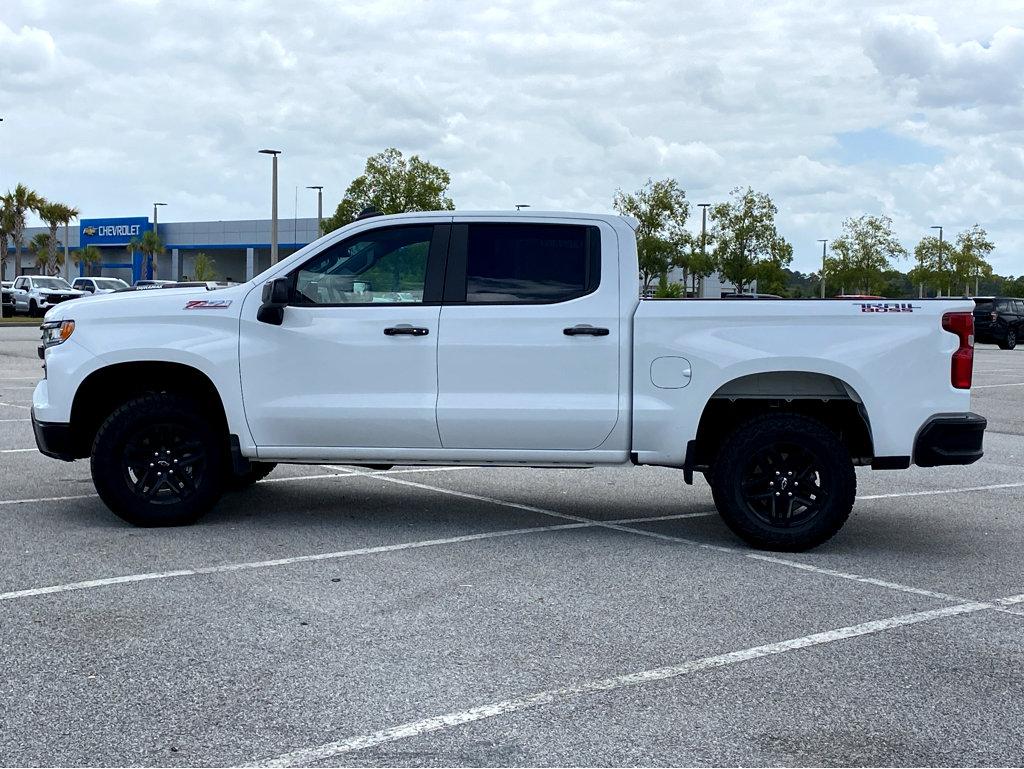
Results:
[501, 339]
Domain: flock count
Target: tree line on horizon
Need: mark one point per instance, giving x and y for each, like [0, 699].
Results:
[741, 242]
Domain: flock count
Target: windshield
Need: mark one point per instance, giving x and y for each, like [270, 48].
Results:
[50, 283]
[112, 283]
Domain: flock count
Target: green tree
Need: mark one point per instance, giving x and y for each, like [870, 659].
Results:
[933, 261]
[747, 245]
[661, 209]
[970, 258]
[20, 201]
[772, 273]
[6, 233]
[204, 267]
[862, 254]
[56, 214]
[393, 185]
[42, 248]
[151, 247]
[88, 257]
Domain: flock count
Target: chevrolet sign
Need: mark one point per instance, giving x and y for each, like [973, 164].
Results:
[112, 232]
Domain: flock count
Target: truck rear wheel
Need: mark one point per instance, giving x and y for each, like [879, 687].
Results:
[784, 482]
[157, 461]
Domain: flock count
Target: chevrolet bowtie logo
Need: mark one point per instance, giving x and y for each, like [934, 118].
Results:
[89, 231]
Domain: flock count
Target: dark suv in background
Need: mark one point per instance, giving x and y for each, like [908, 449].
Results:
[998, 320]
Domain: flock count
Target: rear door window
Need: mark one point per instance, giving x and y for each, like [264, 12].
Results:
[531, 263]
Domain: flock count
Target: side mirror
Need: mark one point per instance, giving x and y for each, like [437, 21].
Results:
[276, 294]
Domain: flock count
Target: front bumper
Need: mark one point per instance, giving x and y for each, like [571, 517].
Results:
[950, 439]
[53, 438]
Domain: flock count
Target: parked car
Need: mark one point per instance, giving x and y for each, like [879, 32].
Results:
[99, 285]
[998, 320]
[6, 299]
[484, 339]
[146, 284]
[35, 294]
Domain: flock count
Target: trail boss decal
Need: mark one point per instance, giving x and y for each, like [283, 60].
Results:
[208, 304]
[887, 307]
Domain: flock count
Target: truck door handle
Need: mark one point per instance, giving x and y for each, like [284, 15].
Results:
[410, 330]
[585, 331]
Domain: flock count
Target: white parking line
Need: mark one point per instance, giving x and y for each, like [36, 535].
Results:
[16, 451]
[312, 755]
[932, 492]
[16, 406]
[1009, 384]
[231, 567]
[617, 525]
[15, 420]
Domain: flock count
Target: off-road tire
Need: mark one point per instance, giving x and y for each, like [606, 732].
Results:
[257, 472]
[1009, 341]
[189, 436]
[745, 464]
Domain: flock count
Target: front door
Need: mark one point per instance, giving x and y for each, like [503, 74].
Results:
[354, 362]
[529, 340]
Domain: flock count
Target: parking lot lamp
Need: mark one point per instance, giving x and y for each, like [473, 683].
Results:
[824, 245]
[273, 203]
[319, 206]
[703, 241]
[939, 228]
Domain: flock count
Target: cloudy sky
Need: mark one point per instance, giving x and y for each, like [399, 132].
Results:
[914, 109]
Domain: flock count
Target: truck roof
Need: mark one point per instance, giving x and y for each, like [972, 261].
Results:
[525, 214]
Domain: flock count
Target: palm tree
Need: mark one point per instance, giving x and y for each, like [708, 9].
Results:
[151, 246]
[88, 256]
[41, 247]
[21, 200]
[56, 214]
[6, 232]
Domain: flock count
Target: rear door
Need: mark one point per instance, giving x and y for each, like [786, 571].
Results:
[528, 354]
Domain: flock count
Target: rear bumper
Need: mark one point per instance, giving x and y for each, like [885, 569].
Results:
[53, 438]
[950, 439]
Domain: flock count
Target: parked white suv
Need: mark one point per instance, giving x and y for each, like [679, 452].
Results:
[502, 339]
[35, 294]
[99, 285]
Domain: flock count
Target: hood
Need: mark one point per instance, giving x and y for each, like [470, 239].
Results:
[149, 304]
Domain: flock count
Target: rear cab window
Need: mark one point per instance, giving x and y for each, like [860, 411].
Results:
[521, 263]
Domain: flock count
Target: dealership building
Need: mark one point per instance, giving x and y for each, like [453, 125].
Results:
[239, 248]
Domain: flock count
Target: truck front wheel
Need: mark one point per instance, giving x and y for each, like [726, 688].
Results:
[784, 482]
[157, 461]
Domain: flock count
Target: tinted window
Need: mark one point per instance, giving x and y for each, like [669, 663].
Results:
[1018, 306]
[385, 265]
[983, 305]
[531, 262]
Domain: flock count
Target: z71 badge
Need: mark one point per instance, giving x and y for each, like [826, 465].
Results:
[886, 307]
[208, 304]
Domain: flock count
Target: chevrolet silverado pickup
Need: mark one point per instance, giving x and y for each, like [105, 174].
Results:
[493, 339]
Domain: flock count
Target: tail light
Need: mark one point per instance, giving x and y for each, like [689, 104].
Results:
[961, 369]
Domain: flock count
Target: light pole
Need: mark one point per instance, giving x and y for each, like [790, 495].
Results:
[824, 245]
[273, 204]
[152, 257]
[319, 207]
[703, 241]
[939, 228]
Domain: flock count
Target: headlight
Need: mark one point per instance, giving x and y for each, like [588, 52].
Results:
[57, 332]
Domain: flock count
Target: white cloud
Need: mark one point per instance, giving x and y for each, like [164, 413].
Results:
[113, 104]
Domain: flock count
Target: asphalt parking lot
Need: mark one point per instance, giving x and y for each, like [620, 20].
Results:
[447, 617]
